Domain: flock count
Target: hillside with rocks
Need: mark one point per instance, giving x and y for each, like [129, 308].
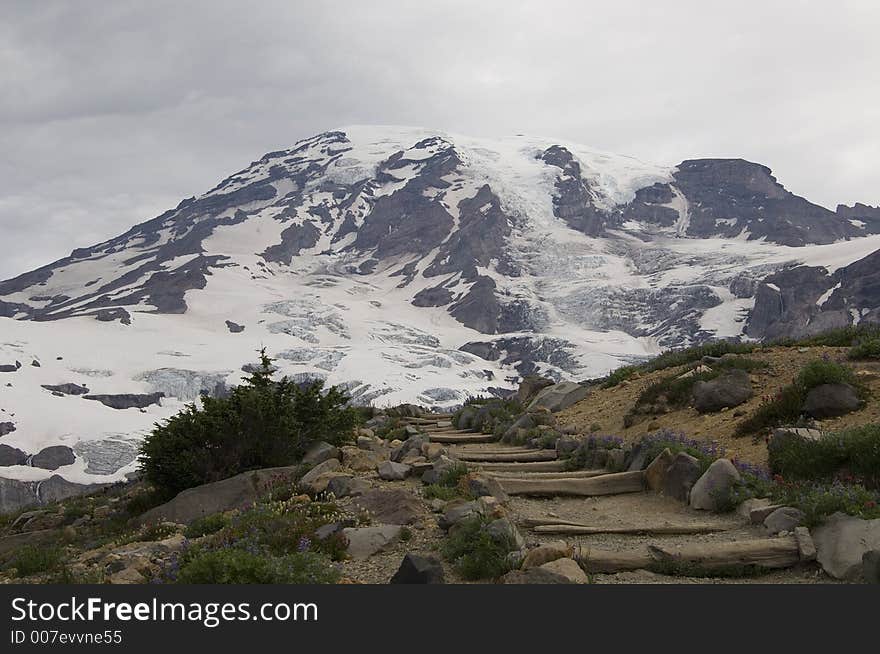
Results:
[518, 490]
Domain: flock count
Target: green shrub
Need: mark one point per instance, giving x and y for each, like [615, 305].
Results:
[819, 500]
[150, 533]
[786, 407]
[854, 452]
[261, 424]
[235, 566]
[210, 524]
[868, 349]
[475, 553]
[618, 376]
[438, 492]
[31, 560]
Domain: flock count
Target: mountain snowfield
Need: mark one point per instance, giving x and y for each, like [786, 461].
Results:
[411, 265]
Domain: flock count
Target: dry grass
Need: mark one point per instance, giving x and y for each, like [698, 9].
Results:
[606, 407]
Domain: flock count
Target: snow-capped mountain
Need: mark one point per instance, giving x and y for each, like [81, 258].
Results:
[413, 265]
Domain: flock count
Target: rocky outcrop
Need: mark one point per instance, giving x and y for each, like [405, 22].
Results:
[53, 457]
[12, 456]
[238, 491]
[417, 569]
[127, 400]
[66, 389]
[714, 486]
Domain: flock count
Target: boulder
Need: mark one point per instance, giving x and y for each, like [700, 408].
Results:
[724, 392]
[391, 471]
[6, 428]
[842, 542]
[308, 480]
[545, 553]
[236, 492]
[417, 569]
[681, 475]
[568, 569]
[442, 465]
[320, 452]
[412, 445]
[535, 576]
[480, 485]
[655, 473]
[53, 457]
[785, 518]
[360, 460]
[12, 456]
[715, 483]
[347, 486]
[503, 531]
[831, 400]
[458, 511]
[393, 507]
[363, 542]
[560, 396]
[530, 386]
[465, 417]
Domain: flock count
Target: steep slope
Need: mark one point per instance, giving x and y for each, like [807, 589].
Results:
[413, 265]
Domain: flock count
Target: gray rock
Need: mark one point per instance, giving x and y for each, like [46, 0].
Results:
[393, 507]
[312, 480]
[320, 452]
[53, 457]
[348, 486]
[66, 389]
[127, 400]
[363, 542]
[458, 511]
[392, 471]
[682, 474]
[10, 367]
[12, 456]
[236, 492]
[503, 531]
[441, 466]
[831, 400]
[16, 495]
[6, 428]
[716, 482]
[481, 485]
[655, 473]
[417, 569]
[412, 445]
[726, 391]
[530, 386]
[842, 542]
[560, 396]
[785, 518]
[234, 328]
[56, 489]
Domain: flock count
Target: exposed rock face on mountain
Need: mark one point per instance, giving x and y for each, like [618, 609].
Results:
[409, 265]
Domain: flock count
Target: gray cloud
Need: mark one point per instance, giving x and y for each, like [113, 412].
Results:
[113, 111]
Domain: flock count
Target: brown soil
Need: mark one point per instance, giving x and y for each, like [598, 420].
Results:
[604, 410]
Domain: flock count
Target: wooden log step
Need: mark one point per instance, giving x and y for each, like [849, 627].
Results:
[610, 484]
[501, 475]
[659, 530]
[461, 438]
[765, 552]
[538, 466]
[522, 457]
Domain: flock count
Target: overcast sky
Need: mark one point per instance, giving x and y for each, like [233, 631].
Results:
[113, 111]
